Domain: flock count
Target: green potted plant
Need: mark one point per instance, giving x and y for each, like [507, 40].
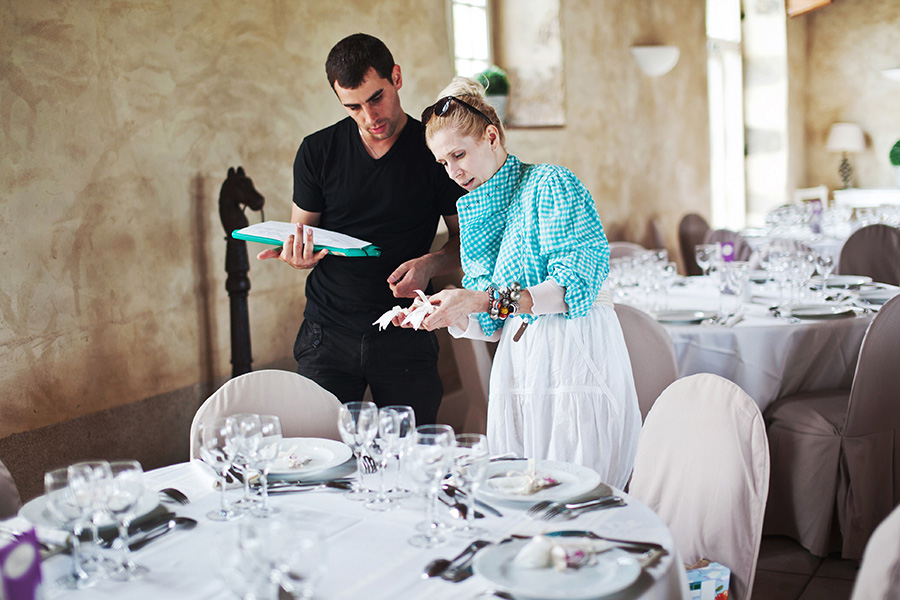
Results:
[895, 160]
[496, 88]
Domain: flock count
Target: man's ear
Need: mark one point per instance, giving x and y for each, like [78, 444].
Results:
[397, 77]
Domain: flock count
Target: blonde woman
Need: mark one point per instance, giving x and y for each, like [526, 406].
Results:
[534, 256]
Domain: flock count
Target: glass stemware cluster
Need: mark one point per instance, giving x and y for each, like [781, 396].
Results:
[86, 496]
[792, 266]
[643, 279]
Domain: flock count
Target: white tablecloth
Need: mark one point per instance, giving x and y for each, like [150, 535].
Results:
[766, 356]
[368, 554]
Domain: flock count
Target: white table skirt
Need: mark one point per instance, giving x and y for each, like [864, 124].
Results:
[368, 554]
[767, 357]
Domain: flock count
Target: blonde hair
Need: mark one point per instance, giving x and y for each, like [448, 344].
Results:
[462, 119]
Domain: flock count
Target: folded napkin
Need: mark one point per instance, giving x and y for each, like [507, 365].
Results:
[415, 313]
[525, 482]
[543, 552]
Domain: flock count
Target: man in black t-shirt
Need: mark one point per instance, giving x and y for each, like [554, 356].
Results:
[370, 176]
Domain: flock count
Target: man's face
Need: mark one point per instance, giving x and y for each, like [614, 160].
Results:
[375, 104]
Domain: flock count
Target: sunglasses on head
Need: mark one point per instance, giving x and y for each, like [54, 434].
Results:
[442, 107]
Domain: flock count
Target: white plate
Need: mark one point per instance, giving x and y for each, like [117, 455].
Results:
[35, 511]
[574, 481]
[842, 281]
[879, 295]
[759, 275]
[684, 317]
[821, 311]
[613, 571]
[324, 454]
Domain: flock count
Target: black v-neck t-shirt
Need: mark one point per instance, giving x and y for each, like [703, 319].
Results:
[394, 202]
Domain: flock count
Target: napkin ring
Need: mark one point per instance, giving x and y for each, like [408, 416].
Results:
[505, 301]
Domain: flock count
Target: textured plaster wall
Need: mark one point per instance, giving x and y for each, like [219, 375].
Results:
[119, 120]
[849, 43]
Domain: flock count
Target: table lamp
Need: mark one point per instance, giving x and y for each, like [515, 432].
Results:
[844, 138]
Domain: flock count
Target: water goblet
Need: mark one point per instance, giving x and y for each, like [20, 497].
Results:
[247, 438]
[90, 482]
[358, 424]
[430, 461]
[126, 489]
[269, 446]
[471, 461]
[217, 449]
[63, 508]
[824, 267]
[405, 440]
[297, 557]
[381, 449]
[705, 254]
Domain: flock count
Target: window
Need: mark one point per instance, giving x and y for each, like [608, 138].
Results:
[471, 36]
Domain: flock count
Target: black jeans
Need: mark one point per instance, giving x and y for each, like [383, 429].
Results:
[399, 365]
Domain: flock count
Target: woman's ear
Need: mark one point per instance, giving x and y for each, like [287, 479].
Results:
[492, 135]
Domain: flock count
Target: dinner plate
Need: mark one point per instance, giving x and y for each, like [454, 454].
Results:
[684, 317]
[612, 571]
[821, 311]
[574, 481]
[879, 295]
[842, 281]
[316, 454]
[35, 511]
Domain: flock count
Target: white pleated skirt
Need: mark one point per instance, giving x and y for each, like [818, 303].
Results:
[565, 391]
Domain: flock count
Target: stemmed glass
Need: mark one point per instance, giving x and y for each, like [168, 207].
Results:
[471, 463]
[61, 504]
[247, 438]
[125, 491]
[217, 449]
[705, 254]
[824, 267]
[405, 439]
[269, 446]
[358, 424]
[430, 461]
[90, 483]
[381, 449]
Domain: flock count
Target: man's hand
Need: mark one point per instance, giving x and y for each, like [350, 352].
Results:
[297, 250]
[410, 276]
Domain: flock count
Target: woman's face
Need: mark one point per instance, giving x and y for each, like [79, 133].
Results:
[468, 160]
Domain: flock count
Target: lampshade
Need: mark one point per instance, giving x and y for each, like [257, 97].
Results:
[846, 137]
[655, 60]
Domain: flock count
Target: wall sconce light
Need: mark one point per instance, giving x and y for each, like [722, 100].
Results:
[844, 138]
[655, 61]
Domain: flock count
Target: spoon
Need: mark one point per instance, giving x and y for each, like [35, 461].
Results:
[439, 566]
[170, 525]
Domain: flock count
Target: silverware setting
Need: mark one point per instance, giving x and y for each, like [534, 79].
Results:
[174, 495]
[289, 488]
[448, 568]
[454, 491]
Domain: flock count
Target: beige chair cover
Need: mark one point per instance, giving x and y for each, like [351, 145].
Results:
[879, 573]
[652, 354]
[10, 502]
[873, 251]
[691, 231]
[623, 249]
[703, 465]
[742, 249]
[654, 238]
[837, 453]
[305, 409]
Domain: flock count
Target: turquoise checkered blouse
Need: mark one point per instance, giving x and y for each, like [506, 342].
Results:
[530, 223]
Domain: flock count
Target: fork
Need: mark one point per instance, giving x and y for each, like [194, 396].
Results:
[369, 465]
[175, 495]
[574, 509]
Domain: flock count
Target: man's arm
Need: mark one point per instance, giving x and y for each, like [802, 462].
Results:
[416, 273]
[298, 249]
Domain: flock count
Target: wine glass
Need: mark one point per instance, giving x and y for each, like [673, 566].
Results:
[125, 491]
[269, 446]
[471, 461]
[247, 438]
[705, 254]
[405, 440]
[297, 557]
[217, 449]
[61, 504]
[358, 424]
[381, 449]
[90, 481]
[430, 461]
[824, 267]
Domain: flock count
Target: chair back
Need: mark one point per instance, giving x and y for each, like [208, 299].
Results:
[742, 249]
[703, 465]
[652, 354]
[873, 251]
[878, 577]
[691, 231]
[654, 237]
[10, 502]
[305, 408]
[621, 249]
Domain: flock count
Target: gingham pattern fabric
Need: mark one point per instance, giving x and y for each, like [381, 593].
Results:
[529, 223]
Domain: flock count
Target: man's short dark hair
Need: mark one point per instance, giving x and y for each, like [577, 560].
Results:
[350, 60]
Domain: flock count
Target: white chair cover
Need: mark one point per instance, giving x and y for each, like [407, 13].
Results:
[839, 451]
[305, 408]
[703, 465]
[623, 249]
[652, 355]
[874, 251]
[10, 502]
[879, 573]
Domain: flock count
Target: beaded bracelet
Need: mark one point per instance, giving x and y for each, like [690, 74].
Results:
[504, 302]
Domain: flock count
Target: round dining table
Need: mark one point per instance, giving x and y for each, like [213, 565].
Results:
[366, 553]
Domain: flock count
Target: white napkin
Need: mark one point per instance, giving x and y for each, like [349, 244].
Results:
[415, 313]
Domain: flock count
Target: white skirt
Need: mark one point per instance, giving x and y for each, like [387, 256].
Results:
[565, 392]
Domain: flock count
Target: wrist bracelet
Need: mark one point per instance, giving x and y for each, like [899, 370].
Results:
[504, 302]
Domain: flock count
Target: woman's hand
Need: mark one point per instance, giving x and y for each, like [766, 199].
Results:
[454, 306]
